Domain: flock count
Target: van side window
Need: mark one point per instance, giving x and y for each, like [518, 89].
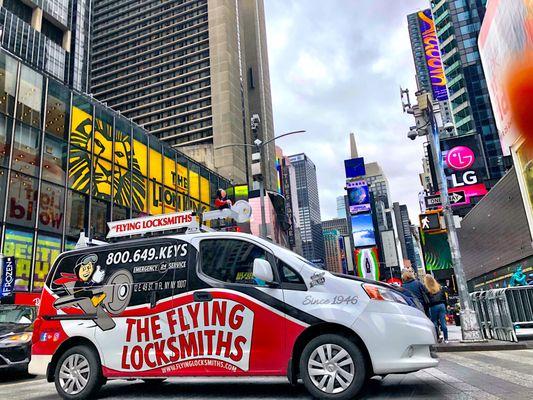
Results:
[230, 260]
[288, 275]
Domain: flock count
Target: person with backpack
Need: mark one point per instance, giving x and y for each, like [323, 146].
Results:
[416, 288]
[437, 305]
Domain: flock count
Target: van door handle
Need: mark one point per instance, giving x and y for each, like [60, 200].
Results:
[202, 296]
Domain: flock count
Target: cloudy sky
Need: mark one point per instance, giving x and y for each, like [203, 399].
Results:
[336, 67]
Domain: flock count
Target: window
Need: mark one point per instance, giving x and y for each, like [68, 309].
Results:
[5, 139]
[54, 160]
[57, 105]
[8, 79]
[22, 202]
[48, 249]
[230, 260]
[288, 275]
[77, 205]
[19, 244]
[30, 97]
[51, 208]
[26, 153]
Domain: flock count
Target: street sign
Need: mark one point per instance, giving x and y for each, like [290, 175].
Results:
[137, 226]
[430, 222]
[457, 198]
[7, 279]
[433, 201]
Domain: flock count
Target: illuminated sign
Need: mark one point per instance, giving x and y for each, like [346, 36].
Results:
[437, 254]
[355, 167]
[433, 56]
[367, 263]
[460, 158]
[363, 230]
[358, 197]
[430, 222]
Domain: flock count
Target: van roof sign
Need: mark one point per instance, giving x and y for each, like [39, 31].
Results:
[138, 226]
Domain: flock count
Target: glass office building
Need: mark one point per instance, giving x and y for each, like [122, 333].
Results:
[69, 164]
[50, 35]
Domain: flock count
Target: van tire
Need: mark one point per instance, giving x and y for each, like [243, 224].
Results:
[83, 363]
[319, 355]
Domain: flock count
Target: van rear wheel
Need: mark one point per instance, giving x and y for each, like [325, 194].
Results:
[332, 367]
[78, 374]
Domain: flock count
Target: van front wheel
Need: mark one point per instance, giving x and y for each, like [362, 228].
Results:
[332, 367]
[78, 374]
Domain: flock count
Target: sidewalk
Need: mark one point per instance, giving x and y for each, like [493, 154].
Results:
[455, 345]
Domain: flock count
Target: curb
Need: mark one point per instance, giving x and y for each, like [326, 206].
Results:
[459, 347]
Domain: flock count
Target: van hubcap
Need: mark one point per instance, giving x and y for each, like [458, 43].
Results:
[331, 368]
[74, 374]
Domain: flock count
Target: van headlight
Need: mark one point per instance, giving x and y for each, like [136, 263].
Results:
[376, 292]
[17, 338]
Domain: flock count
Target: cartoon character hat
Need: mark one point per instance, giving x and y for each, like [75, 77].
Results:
[91, 258]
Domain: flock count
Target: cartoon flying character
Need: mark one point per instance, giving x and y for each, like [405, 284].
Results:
[221, 200]
[89, 279]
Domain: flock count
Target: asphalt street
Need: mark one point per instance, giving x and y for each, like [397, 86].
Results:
[486, 375]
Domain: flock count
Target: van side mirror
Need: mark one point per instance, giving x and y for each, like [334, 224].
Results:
[263, 271]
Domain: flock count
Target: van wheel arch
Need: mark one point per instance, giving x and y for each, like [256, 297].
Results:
[67, 344]
[314, 331]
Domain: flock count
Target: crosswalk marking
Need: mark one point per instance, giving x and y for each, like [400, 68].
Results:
[512, 376]
[521, 356]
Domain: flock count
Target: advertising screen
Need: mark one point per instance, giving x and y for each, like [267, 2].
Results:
[367, 263]
[363, 230]
[436, 251]
[355, 167]
[358, 197]
[464, 166]
[433, 56]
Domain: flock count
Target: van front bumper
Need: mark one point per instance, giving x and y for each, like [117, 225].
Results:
[39, 364]
[399, 338]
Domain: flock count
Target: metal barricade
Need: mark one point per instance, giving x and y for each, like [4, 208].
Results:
[500, 311]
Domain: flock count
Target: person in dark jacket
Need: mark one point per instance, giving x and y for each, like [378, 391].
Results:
[437, 305]
[416, 288]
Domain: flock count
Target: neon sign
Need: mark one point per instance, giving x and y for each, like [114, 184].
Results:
[433, 56]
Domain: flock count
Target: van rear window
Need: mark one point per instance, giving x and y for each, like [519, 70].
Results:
[135, 270]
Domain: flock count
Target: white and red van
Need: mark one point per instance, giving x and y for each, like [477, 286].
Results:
[219, 304]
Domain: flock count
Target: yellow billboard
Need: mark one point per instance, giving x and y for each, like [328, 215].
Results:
[157, 183]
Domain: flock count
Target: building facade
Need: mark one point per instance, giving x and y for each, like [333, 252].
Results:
[50, 35]
[341, 206]
[69, 164]
[458, 24]
[308, 207]
[407, 242]
[379, 187]
[193, 73]
[332, 245]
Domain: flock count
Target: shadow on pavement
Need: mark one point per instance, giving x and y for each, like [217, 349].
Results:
[14, 376]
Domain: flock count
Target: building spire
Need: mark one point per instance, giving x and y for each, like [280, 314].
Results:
[353, 146]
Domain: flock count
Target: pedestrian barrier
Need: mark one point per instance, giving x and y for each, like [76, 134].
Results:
[501, 311]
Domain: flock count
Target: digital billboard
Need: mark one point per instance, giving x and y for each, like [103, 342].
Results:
[367, 263]
[433, 56]
[358, 197]
[363, 230]
[465, 168]
[436, 251]
[355, 167]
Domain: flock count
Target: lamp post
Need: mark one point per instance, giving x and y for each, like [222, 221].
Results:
[259, 145]
[428, 125]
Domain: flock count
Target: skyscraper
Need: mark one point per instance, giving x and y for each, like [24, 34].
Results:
[379, 186]
[341, 206]
[457, 25]
[309, 207]
[192, 73]
[405, 235]
[50, 35]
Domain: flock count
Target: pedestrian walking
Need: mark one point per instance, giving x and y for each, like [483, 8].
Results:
[437, 305]
[416, 288]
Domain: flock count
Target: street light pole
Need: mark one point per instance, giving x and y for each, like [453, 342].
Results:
[260, 145]
[469, 324]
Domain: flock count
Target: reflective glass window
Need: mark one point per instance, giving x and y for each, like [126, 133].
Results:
[156, 197]
[81, 123]
[140, 152]
[122, 150]
[120, 213]
[47, 250]
[22, 200]
[194, 181]
[5, 139]
[30, 97]
[102, 178]
[79, 173]
[8, 82]
[3, 191]
[139, 193]
[26, 149]
[57, 110]
[19, 244]
[99, 218]
[77, 212]
[156, 160]
[54, 160]
[51, 216]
